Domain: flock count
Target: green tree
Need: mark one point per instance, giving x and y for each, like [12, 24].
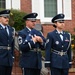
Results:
[16, 19]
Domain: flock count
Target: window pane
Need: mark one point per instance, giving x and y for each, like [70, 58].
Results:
[50, 8]
[2, 0]
[2, 4]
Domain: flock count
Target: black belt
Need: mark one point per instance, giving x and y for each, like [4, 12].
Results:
[61, 53]
[5, 47]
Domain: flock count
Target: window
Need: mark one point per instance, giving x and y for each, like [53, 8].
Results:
[2, 4]
[46, 9]
[50, 8]
[14, 4]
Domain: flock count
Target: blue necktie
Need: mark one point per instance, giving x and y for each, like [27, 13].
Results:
[6, 30]
[61, 36]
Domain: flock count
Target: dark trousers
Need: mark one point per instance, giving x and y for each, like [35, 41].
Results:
[30, 71]
[56, 71]
[5, 70]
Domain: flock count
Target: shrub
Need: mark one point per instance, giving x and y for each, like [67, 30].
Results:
[16, 19]
[73, 42]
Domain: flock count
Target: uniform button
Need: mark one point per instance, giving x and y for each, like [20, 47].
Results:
[62, 46]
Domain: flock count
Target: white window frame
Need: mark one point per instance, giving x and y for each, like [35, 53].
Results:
[38, 6]
[14, 4]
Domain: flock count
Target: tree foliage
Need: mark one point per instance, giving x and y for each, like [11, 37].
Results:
[16, 19]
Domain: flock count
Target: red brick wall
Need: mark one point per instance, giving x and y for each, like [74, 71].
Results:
[26, 5]
[69, 24]
[73, 15]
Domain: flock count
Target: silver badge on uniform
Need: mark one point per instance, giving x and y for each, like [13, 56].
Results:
[47, 41]
[57, 42]
[19, 39]
[30, 35]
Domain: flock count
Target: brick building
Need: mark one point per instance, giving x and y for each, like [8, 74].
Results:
[46, 9]
[42, 7]
[63, 6]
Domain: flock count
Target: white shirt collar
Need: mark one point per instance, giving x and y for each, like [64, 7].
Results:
[59, 31]
[3, 26]
[28, 28]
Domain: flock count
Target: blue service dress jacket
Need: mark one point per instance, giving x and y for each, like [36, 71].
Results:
[58, 52]
[31, 54]
[6, 46]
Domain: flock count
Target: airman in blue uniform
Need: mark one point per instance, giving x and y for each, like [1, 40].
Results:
[6, 44]
[31, 41]
[58, 48]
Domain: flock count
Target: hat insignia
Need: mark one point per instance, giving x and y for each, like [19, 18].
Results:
[61, 15]
[47, 41]
[34, 14]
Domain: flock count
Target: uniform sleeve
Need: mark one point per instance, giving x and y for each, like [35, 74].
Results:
[24, 45]
[13, 48]
[42, 45]
[69, 52]
[13, 41]
[48, 50]
[37, 44]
